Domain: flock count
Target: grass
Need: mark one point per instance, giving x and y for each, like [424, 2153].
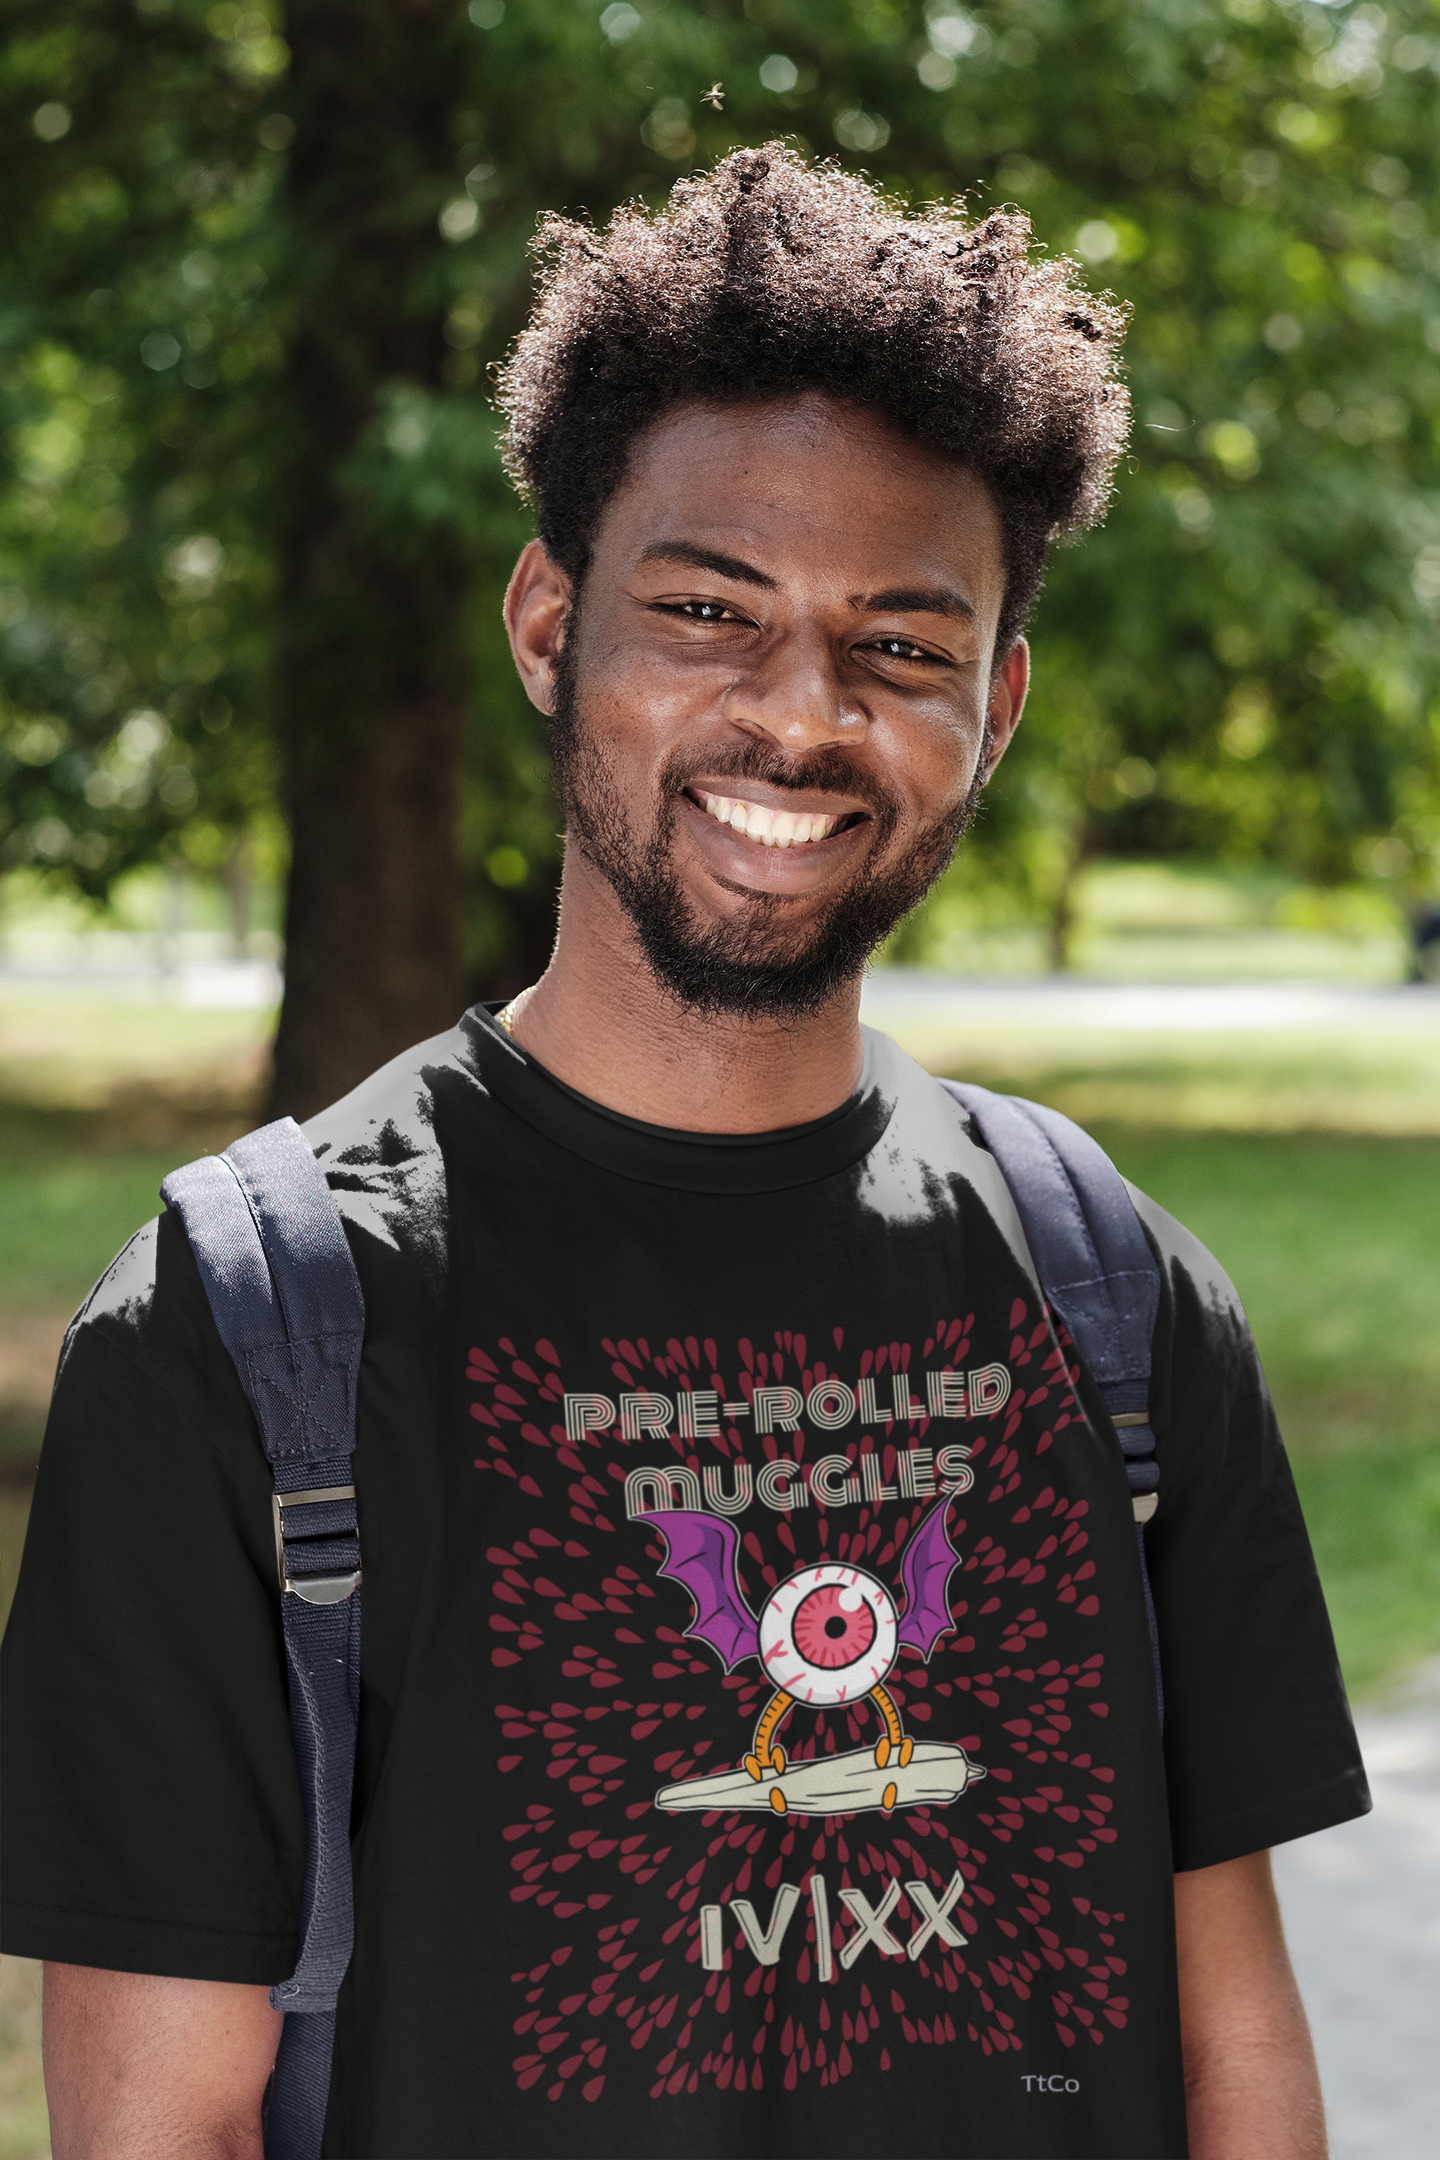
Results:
[99, 1098]
[121, 1052]
[1380, 1082]
[1334, 1245]
[67, 1206]
[68, 1209]
[24, 2124]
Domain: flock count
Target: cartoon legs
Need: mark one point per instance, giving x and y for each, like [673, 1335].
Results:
[763, 1756]
[894, 1745]
[894, 1740]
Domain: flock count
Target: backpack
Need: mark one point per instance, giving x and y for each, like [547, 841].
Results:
[281, 1283]
[277, 1271]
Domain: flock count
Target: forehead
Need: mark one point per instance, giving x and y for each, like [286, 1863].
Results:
[807, 486]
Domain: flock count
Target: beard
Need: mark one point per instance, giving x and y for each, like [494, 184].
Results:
[758, 966]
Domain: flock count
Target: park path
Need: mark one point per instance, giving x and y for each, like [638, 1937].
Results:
[895, 996]
[1362, 1912]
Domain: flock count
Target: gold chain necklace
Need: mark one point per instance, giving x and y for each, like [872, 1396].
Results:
[507, 1014]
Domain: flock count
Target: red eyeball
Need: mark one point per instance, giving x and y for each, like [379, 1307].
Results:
[833, 1627]
[828, 1634]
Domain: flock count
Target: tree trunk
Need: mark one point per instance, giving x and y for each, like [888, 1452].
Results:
[237, 878]
[370, 678]
[1061, 926]
[1061, 923]
[372, 946]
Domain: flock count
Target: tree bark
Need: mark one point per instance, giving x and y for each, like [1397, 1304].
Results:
[372, 944]
[370, 676]
[1060, 928]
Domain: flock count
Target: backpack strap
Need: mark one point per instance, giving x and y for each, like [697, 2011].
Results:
[277, 1270]
[1096, 1270]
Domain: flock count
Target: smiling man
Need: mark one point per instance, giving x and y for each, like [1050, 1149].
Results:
[759, 1743]
[790, 707]
[790, 710]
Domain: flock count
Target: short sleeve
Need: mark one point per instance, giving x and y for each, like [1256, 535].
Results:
[153, 1821]
[1259, 1742]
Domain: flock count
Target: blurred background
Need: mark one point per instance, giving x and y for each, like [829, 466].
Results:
[259, 728]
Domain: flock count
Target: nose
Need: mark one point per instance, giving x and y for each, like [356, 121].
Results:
[793, 696]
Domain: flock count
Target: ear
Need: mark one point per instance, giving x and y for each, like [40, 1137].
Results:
[1007, 700]
[537, 609]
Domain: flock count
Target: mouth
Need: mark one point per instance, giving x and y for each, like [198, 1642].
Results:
[772, 828]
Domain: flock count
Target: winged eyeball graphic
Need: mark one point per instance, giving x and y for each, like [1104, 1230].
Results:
[825, 1636]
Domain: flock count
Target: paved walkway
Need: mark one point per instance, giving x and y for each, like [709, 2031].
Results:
[1362, 1911]
[894, 996]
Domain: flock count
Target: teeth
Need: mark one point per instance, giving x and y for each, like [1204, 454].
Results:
[771, 828]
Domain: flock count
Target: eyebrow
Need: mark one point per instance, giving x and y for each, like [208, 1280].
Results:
[897, 599]
[703, 558]
[917, 600]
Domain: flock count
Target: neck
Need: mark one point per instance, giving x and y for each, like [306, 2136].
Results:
[598, 1020]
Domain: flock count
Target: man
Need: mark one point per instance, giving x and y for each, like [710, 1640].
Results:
[672, 1230]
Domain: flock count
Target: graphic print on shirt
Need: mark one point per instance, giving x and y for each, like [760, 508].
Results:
[731, 1943]
[825, 1637]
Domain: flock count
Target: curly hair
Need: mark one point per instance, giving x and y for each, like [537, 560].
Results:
[768, 276]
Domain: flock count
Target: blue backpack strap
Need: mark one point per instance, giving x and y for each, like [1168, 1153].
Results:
[1096, 1269]
[277, 1270]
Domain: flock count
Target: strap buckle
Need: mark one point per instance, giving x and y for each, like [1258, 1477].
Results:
[311, 1589]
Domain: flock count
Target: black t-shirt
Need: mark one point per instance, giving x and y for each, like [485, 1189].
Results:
[666, 1442]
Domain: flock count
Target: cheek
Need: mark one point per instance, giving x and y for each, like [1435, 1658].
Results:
[642, 706]
[931, 757]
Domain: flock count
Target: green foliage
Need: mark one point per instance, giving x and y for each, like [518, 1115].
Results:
[1241, 663]
[137, 346]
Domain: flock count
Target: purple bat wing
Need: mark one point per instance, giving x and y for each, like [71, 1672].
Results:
[925, 1571]
[701, 1553]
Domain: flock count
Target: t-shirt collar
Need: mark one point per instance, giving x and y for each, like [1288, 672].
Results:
[687, 1161]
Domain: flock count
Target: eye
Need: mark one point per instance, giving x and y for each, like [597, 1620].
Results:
[833, 1627]
[828, 1634]
[704, 611]
[894, 648]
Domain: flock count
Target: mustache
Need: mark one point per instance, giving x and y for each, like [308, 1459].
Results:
[754, 968]
[830, 770]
